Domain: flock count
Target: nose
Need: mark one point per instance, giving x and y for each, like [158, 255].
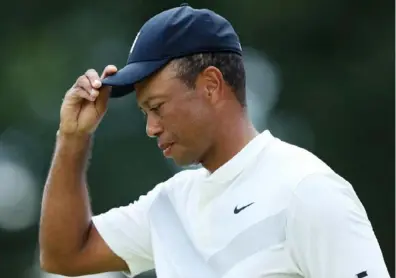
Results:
[153, 127]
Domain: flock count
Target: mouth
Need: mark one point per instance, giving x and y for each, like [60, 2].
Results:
[166, 148]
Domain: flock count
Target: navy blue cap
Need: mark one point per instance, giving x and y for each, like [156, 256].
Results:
[171, 34]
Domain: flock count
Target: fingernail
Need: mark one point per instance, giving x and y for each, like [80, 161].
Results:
[94, 93]
[97, 83]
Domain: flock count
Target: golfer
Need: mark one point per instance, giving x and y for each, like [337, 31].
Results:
[258, 206]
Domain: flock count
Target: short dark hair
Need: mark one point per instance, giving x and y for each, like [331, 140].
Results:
[229, 64]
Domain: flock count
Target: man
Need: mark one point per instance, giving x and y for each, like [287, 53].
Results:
[258, 207]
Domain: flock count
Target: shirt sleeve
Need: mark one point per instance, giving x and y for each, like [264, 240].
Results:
[127, 233]
[329, 232]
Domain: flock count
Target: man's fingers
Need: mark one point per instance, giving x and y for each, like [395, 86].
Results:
[83, 88]
[104, 92]
[109, 70]
[93, 78]
[89, 85]
[78, 94]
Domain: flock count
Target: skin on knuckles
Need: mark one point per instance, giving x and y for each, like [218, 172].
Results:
[86, 102]
[94, 83]
[79, 90]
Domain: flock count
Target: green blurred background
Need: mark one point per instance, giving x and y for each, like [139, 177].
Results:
[320, 75]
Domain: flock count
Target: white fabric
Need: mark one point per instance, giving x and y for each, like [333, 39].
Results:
[330, 235]
[301, 220]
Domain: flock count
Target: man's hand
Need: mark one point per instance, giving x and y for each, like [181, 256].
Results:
[69, 242]
[85, 103]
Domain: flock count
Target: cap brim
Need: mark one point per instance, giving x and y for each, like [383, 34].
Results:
[124, 80]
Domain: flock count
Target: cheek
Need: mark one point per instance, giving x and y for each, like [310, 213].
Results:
[181, 119]
[188, 122]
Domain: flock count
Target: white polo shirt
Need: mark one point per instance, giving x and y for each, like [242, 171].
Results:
[273, 211]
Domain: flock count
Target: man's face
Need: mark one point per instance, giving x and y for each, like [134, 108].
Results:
[181, 119]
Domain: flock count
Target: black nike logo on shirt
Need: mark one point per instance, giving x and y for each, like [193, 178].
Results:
[238, 210]
[362, 274]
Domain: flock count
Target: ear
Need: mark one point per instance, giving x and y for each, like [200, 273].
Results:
[210, 83]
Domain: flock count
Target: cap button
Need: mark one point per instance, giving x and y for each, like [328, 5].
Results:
[184, 4]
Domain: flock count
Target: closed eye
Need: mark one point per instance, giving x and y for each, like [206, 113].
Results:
[156, 108]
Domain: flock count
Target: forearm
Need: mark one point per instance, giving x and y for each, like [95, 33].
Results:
[66, 211]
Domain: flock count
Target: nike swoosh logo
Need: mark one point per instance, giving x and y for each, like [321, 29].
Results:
[238, 210]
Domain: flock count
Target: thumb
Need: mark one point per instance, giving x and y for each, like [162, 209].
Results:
[104, 91]
[109, 70]
[102, 99]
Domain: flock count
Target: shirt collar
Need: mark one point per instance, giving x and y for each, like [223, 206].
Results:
[235, 165]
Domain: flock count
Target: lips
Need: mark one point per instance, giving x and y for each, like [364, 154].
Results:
[164, 146]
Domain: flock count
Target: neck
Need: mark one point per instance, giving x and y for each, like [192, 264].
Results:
[230, 140]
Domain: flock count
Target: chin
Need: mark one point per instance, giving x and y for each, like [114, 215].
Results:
[185, 161]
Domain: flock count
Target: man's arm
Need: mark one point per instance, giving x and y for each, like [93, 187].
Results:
[69, 242]
[329, 232]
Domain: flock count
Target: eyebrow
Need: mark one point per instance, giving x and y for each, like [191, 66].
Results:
[145, 102]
